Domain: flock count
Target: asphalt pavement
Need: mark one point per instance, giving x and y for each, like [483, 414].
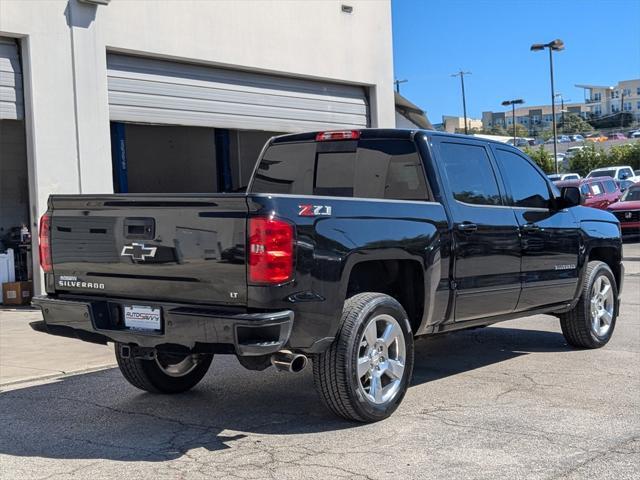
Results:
[508, 401]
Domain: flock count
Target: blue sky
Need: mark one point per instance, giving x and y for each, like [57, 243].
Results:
[491, 38]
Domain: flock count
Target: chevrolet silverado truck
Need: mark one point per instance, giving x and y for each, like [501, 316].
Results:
[345, 246]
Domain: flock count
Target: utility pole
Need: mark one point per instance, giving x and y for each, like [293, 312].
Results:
[397, 83]
[461, 74]
[562, 110]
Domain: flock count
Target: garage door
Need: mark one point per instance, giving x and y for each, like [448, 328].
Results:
[11, 106]
[156, 91]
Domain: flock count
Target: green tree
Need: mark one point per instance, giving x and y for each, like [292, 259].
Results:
[497, 130]
[626, 154]
[521, 130]
[587, 159]
[575, 124]
[542, 158]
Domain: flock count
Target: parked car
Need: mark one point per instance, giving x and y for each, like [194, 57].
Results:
[627, 210]
[571, 151]
[561, 139]
[597, 192]
[356, 242]
[577, 138]
[635, 134]
[616, 136]
[617, 173]
[520, 142]
[595, 137]
[558, 177]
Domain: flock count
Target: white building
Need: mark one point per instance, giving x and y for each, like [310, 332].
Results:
[99, 96]
[607, 100]
[453, 124]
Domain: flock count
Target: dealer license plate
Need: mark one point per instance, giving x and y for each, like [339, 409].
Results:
[142, 317]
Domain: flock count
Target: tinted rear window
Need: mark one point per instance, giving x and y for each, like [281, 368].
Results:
[368, 168]
[603, 173]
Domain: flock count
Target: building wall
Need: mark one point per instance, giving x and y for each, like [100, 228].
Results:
[64, 47]
[404, 122]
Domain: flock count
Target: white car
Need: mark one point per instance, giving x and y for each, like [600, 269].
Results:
[617, 173]
[561, 177]
[571, 151]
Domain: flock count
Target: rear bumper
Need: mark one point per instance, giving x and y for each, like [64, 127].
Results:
[99, 321]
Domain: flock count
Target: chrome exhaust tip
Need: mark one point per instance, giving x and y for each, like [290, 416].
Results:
[287, 361]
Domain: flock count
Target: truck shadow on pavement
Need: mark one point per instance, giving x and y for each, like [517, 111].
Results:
[100, 416]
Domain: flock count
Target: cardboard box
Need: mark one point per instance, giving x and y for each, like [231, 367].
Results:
[17, 293]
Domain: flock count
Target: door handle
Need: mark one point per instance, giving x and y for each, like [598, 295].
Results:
[467, 227]
[530, 227]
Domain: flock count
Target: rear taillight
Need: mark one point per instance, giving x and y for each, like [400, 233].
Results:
[44, 240]
[338, 135]
[270, 250]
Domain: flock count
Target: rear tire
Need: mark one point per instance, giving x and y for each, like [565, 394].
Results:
[591, 322]
[164, 374]
[364, 374]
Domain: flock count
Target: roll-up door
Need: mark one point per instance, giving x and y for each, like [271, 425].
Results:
[11, 103]
[147, 90]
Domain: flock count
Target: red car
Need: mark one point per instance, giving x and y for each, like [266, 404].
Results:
[597, 192]
[616, 136]
[627, 210]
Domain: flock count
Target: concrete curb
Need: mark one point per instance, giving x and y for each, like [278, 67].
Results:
[51, 376]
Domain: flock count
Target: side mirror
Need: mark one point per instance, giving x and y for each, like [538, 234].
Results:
[624, 175]
[570, 197]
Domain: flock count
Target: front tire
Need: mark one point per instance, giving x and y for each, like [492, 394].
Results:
[591, 322]
[364, 374]
[165, 373]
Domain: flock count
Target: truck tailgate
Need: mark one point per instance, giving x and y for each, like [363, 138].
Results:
[178, 248]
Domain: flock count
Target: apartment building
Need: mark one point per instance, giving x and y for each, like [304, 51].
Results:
[533, 118]
[608, 100]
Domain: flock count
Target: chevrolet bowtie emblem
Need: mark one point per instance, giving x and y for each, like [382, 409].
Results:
[137, 251]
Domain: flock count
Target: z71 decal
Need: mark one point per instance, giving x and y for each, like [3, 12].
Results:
[314, 210]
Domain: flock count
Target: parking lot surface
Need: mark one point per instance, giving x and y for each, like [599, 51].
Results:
[507, 401]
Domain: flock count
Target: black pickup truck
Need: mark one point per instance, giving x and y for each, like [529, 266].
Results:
[346, 245]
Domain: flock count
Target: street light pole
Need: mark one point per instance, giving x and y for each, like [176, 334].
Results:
[553, 112]
[461, 74]
[555, 45]
[513, 103]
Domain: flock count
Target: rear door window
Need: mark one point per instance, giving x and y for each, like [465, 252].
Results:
[368, 168]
